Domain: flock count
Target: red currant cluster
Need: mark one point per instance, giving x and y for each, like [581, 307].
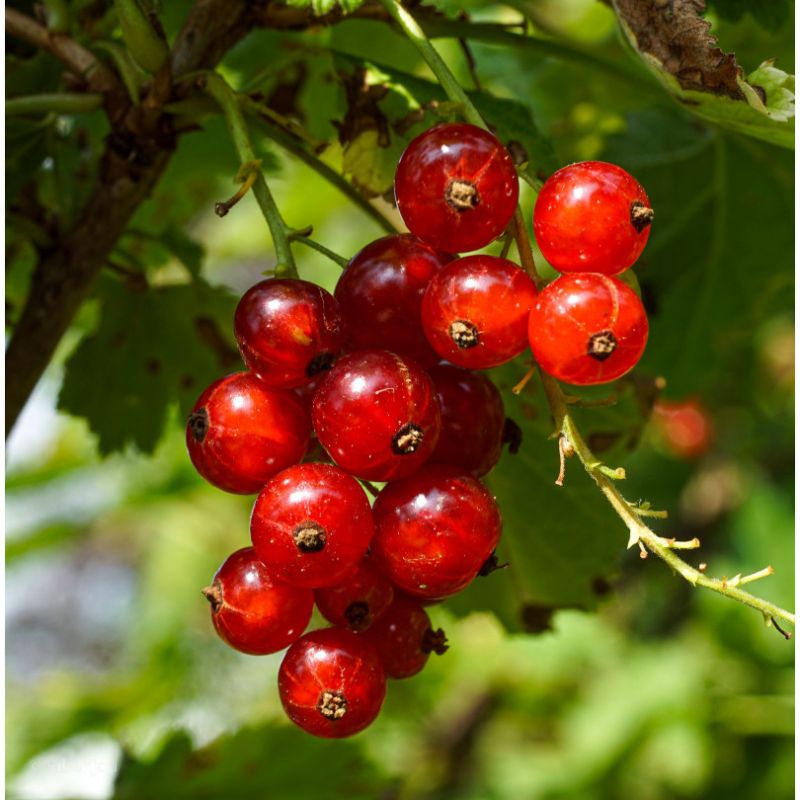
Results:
[381, 372]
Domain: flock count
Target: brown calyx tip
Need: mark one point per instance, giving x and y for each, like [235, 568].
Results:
[213, 594]
[602, 345]
[512, 436]
[492, 564]
[408, 439]
[641, 215]
[462, 195]
[357, 615]
[309, 537]
[464, 334]
[320, 363]
[198, 424]
[434, 641]
[332, 705]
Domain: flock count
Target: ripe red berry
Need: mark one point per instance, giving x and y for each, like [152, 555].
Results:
[242, 432]
[376, 414]
[253, 613]
[475, 311]
[456, 187]
[311, 525]
[587, 328]
[288, 331]
[592, 217]
[358, 600]
[332, 683]
[380, 294]
[434, 531]
[685, 428]
[404, 638]
[473, 419]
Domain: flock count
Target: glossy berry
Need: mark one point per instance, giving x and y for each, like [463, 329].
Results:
[311, 525]
[685, 427]
[376, 414]
[404, 638]
[587, 328]
[475, 311]
[456, 187]
[434, 531]
[241, 433]
[473, 419]
[358, 600]
[253, 613]
[592, 217]
[380, 294]
[288, 331]
[332, 683]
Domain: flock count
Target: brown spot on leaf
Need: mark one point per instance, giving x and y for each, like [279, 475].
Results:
[673, 32]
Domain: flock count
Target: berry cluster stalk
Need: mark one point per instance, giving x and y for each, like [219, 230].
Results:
[565, 427]
[219, 89]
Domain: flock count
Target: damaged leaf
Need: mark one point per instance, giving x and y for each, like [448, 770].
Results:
[675, 42]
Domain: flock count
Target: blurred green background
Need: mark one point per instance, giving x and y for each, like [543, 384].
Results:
[581, 672]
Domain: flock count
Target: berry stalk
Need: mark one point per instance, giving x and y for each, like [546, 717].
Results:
[219, 89]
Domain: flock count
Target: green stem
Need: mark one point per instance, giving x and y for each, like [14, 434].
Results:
[56, 13]
[639, 532]
[218, 88]
[434, 61]
[320, 248]
[60, 103]
[289, 142]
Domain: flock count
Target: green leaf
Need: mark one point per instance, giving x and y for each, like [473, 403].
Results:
[678, 49]
[151, 349]
[258, 762]
[188, 251]
[708, 282]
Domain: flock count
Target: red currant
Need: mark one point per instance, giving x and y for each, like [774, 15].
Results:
[380, 294]
[250, 611]
[311, 525]
[404, 638]
[475, 311]
[685, 427]
[288, 331]
[359, 600]
[434, 531]
[376, 414]
[473, 419]
[242, 432]
[332, 683]
[456, 187]
[587, 328]
[592, 217]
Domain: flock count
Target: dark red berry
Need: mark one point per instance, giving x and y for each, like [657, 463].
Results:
[434, 531]
[473, 420]
[288, 331]
[311, 525]
[685, 427]
[380, 294]
[358, 600]
[332, 683]
[456, 187]
[253, 613]
[242, 432]
[376, 414]
[587, 328]
[404, 638]
[475, 311]
[592, 217]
